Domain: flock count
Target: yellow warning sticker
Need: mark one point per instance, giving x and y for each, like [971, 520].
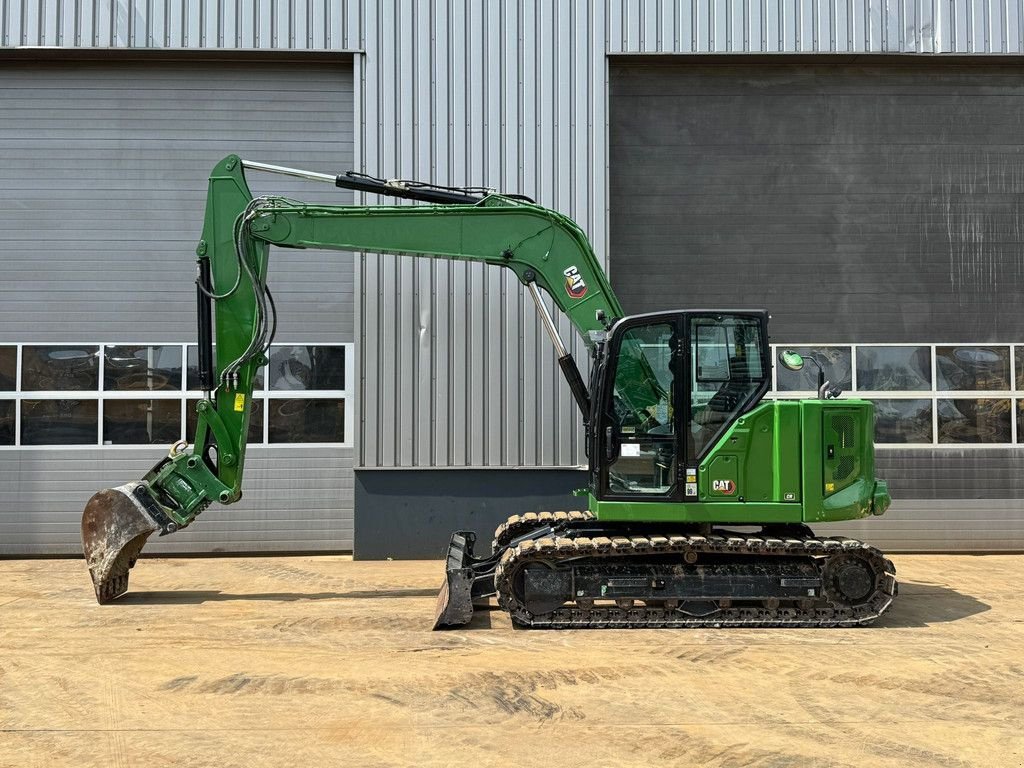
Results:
[829, 487]
[239, 402]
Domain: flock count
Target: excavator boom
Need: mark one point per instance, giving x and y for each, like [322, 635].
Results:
[547, 251]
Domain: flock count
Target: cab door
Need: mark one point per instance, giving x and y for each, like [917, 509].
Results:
[639, 449]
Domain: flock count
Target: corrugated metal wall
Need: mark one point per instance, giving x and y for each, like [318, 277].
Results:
[815, 26]
[301, 25]
[513, 95]
[633, 26]
[455, 370]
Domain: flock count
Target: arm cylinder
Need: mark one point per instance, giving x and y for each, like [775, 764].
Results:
[204, 314]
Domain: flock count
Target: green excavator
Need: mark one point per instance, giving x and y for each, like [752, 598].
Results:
[701, 491]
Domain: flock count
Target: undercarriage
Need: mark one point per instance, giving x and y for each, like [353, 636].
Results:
[565, 570]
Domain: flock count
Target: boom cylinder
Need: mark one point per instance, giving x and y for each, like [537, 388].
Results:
[565, 360]
[360, 183]
[400, 190]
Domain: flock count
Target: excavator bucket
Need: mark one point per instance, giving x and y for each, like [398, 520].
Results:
[115, 526]
[455, 600]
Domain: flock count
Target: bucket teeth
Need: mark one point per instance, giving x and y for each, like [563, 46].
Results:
[111, 588]
[115, 527]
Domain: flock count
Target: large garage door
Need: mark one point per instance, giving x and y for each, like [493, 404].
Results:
[102, 190]
[877, 213]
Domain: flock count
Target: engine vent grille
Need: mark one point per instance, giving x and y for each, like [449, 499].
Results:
[845, 468]
[842, 423]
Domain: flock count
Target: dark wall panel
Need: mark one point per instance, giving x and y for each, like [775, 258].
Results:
[858, 204]
[103, 190]
[103, 176]
[953, 473]
[412, 513]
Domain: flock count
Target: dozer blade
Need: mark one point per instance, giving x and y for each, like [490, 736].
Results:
[115, 526]
[455, 600]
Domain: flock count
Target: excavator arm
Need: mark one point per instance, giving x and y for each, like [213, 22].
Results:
[547, 251]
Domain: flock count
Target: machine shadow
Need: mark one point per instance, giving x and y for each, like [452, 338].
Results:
[919, 605]
[195, 597]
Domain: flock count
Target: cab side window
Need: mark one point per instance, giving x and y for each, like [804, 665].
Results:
[727, 371]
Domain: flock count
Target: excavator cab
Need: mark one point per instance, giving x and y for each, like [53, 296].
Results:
[671, 383]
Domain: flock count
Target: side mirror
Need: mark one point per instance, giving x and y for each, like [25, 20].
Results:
[791, 360]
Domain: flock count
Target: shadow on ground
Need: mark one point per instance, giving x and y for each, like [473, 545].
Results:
[194, 597]
[919, 605]
[481, 615]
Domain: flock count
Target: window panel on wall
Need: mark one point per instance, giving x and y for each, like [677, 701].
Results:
[296, 420]
[149, 368]
[972, 368]
[8, 369]
[837, 362]
[306, 368]
[192, 369]
[903, 421]
[255, 420]
[968, 420]
[894, 368]
[1018, 354]
[7, 408]
[57, 368]
[59, 422]
[141, 422]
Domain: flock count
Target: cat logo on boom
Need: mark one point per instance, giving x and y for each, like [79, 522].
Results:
[574, 283]
[728, 487]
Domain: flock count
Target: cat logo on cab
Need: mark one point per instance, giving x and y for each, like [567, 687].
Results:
[728, 487]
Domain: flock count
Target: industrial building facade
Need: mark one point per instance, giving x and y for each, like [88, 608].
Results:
[857, 168]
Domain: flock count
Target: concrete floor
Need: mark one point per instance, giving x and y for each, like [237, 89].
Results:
[317, 661]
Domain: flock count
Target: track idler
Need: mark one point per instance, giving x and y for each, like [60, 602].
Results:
[115, 527]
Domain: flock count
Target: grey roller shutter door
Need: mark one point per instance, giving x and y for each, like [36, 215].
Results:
[856, 204]
[102, 188]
